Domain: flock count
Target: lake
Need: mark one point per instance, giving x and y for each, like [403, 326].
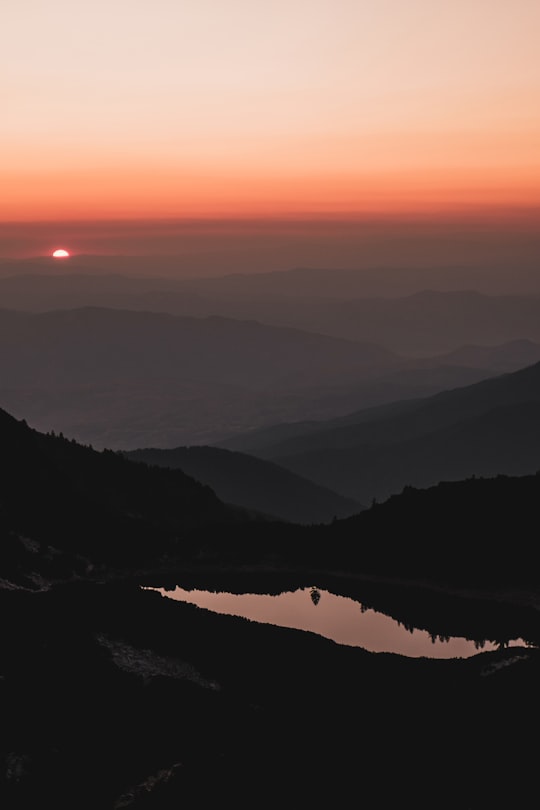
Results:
[335, 617]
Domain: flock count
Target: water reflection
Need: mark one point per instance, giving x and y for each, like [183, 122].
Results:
[335, 617]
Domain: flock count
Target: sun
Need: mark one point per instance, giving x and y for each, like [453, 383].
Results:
[61, 254]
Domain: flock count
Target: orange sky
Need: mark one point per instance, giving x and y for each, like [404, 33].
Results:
[132, 108]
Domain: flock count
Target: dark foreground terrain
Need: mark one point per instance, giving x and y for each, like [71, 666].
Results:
[114, 696]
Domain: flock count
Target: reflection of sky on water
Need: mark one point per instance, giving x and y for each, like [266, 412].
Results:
[335, 617]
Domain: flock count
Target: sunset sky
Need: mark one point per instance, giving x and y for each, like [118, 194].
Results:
[171, 108]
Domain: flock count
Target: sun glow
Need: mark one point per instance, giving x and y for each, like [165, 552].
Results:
[61, 254]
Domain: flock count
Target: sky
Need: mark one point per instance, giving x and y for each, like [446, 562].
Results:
[166, 108]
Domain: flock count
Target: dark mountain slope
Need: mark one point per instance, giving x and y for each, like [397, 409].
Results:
[65, 507]
[119, 698]
[402, 421]
[504, 440]
[478, 532]
[252, 483]
[60, 498]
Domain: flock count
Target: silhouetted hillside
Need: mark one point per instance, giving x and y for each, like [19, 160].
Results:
[474, 532]
[401, 421]
[252, 483]
[115, 696]
[119, 697]
[485, 429]
[504, 440]
[66, 507]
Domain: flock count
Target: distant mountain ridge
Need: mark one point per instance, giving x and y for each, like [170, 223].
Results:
[497, 275]
[120, 379]
[124, 379]
[399, 421]
[506, 357]
[488, 428]
[100, 341]
[252, 483]
[423, 321]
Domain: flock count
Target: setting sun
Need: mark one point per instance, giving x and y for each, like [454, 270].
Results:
[61, 254]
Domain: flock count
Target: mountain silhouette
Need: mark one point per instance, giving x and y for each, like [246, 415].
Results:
[477, 532]
[100, 675]
[425, 320]
[93, 344]
[253, 483]
[484, 429]
[122, 379]
[67, 508]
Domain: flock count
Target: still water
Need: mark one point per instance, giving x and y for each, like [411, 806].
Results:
[335, 617]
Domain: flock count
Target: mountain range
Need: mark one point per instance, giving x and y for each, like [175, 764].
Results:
[486, 429]
[113, 695]
[422, 320]
[123, 379]
[68, 509]
[71, 513]
[252, 483]
[350, 434]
